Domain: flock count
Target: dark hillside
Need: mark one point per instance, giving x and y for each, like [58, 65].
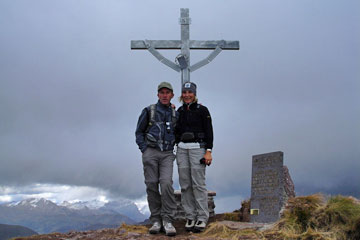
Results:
[10, 231]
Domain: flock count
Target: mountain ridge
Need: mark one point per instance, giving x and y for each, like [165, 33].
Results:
[45, 216]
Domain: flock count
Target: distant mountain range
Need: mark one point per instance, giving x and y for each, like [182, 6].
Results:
[45, 216]
[124, 207]
[11, 231]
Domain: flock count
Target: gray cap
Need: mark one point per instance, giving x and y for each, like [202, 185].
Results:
[165, 85]
[189, 86]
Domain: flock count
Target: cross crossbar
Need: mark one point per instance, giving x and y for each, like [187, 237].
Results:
[177, 44]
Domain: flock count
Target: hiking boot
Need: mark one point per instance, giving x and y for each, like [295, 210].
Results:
[199, 226]
[189, 225]
[169, 229]
[155, 228]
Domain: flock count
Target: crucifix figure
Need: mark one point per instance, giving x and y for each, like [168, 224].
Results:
[182, 61]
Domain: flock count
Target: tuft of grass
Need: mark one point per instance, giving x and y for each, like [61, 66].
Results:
[234, 216]
[134, 228]
[355, 231]
[312, 217]
[218, 230]
[340, 213]
[299, 211]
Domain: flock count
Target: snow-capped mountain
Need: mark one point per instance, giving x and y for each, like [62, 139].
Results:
[122, 206]
[125, 207]
[33, 203]
[94, 204]
[45, 216]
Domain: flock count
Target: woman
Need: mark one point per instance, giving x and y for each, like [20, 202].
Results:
[194, 135]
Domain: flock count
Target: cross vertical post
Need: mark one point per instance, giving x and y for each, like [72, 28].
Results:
[185, 37]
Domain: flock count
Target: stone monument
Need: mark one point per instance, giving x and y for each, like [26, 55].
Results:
[271, 186]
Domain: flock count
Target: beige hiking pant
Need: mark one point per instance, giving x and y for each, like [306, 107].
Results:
[192, 183]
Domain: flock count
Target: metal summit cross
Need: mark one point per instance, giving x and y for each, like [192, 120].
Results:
[182, 61]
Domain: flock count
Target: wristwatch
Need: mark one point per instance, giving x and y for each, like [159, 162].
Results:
[208, 150]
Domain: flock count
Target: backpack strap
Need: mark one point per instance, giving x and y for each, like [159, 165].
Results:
[151, 112]
[173, 117]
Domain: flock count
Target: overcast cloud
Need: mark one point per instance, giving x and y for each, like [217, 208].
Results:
[71, 91]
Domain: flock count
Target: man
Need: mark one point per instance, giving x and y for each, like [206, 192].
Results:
[155, 138]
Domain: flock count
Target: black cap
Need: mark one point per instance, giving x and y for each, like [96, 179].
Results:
[189, 86]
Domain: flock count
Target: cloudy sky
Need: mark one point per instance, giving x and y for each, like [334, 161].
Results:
[71, 91]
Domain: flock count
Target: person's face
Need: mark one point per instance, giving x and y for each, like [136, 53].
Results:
[188, 96]
[165, 95]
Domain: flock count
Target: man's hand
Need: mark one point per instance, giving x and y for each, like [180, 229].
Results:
[208, 158]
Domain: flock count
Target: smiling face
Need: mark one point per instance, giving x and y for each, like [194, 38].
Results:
[188, 96]
[165, 95]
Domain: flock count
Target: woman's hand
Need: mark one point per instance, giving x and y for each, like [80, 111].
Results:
[208, 158]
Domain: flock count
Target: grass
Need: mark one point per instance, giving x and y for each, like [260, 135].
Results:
[340, 213]
[134, 228]
[312, 217]
[218, 230]
[304, 218]
[233, 216]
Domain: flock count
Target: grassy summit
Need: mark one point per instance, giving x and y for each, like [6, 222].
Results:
[304, 218]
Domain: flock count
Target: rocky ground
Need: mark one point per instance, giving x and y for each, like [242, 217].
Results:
[140, 232]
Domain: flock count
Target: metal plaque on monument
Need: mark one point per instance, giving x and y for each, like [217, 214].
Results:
[267, 187]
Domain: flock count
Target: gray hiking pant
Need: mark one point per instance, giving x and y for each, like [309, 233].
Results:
[158, 169]
[192, 182]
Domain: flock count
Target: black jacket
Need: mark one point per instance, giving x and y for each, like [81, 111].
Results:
[195, 118]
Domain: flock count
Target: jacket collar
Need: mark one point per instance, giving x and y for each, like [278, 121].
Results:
[191, 105]
[162, 105]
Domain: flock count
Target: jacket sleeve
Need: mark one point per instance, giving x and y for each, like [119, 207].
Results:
[208, 129]
[178, 127]
[140, 130]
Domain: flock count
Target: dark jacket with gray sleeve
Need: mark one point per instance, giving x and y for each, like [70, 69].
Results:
[159, 134]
